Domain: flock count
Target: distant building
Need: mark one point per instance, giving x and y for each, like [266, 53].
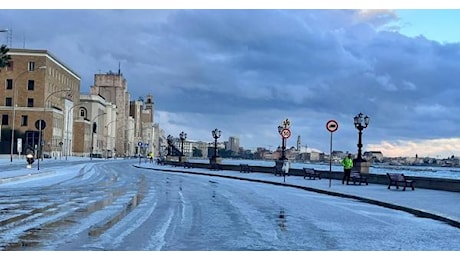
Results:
[233, 144]
[373, 156]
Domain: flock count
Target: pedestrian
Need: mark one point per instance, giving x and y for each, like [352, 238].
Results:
[151, 157]
[347, 164]
[286, 167]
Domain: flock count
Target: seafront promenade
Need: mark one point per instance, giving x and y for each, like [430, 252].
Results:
[429, 203]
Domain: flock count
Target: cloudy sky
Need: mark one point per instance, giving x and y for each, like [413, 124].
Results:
[244, 71]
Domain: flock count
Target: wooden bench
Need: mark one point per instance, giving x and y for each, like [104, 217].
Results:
[311, 173]
[214, 167]
[278, 170]
[398, 179]
[356, 177]
[245, 168]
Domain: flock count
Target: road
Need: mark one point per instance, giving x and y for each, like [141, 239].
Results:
[110, 205]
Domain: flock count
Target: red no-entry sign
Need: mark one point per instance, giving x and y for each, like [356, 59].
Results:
[332, 126]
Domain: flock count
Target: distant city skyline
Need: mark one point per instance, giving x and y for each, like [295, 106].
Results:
[245, 71]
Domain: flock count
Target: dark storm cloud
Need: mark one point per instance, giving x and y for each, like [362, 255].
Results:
[244, 71]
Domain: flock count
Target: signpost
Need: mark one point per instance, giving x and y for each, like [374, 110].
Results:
[40, 125]
[139, 146]
[331, 126]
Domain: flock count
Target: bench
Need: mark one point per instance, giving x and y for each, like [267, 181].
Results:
[398, 179]
[278, 170]
[161, 161]
[245, 168]
[187, 165]
[311, 173]
[214, 167]
[356, 177]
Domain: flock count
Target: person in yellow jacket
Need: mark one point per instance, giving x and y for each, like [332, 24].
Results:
[347, 164]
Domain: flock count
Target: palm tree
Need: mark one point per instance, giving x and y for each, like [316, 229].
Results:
[4, 57]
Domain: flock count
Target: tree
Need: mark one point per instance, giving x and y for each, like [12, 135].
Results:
[4, 57]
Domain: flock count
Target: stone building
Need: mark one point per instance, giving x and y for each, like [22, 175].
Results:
[113, 88]
[142, 113]
[37, 86]
[97, 122]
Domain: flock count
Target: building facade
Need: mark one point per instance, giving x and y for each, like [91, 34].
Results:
[42, 110]
[37, 87]
[113, 88]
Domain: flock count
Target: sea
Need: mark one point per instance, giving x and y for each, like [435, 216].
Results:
[417, 171]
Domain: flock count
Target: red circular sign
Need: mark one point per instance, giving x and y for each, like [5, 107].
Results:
[332, 126]
[286, 133]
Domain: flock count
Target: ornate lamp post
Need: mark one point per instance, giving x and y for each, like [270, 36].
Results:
[285, 133]
[358, 120]
[215, 134]
[182, 137]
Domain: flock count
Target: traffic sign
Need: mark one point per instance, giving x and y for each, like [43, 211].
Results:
[286, 133]
[332, 126]
[40, 122]
[139, 144]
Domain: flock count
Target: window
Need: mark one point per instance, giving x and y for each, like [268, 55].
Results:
[30, 84]
[30, 102]
[24, 120]
[83, 113]
[9, 84]
[31, 65]
[4, 119]
[9, 102]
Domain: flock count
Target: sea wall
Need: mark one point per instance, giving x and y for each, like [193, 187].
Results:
[420, 182]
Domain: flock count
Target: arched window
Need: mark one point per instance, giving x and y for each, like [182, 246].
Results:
[83, 112]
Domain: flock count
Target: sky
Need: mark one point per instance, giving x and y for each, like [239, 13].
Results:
[244, 70]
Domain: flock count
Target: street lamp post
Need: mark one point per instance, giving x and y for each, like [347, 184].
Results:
[284, 132]
[182, 137]
[68, 142]
[14, 108]
[107, 138]
[93, 129]
[42, 124]
[215, 134]
[358, 120]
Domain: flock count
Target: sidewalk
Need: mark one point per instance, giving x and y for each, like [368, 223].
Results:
[439, 205]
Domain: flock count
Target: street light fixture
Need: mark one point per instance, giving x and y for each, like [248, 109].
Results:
[182, 137]
[93, 130]
[42, 125]
[358, 120]
[68, 142]
[215, 134]
[14, 108]
[284, 132]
